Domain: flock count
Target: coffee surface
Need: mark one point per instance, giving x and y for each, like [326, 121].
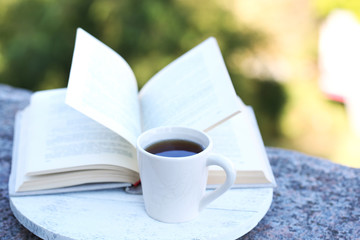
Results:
[175, 148]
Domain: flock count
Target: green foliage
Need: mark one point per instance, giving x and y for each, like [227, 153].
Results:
[269, 109]
[37, 36]
[36, 39]
[324, 7]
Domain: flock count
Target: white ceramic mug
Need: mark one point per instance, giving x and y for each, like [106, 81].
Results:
[174, 187]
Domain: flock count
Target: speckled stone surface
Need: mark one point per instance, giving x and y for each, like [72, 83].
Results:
[315, 199]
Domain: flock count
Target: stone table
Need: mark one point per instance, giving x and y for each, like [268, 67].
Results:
[315, 199]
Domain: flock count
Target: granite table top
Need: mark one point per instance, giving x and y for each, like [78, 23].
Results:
[315, 199]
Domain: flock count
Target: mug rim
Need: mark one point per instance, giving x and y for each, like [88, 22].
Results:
[180, 129]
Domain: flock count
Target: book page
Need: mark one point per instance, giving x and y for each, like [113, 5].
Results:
[19, 150]
[103, 87]
[239, 140]
[60, 138]
[195, 91]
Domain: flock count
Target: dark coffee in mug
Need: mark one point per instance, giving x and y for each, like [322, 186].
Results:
[175, 148]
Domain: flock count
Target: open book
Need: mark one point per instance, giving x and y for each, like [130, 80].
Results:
[86, 134]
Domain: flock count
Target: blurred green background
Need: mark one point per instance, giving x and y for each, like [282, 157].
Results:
[270, 48]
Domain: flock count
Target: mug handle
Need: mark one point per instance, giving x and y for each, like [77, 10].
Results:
[228, 166]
